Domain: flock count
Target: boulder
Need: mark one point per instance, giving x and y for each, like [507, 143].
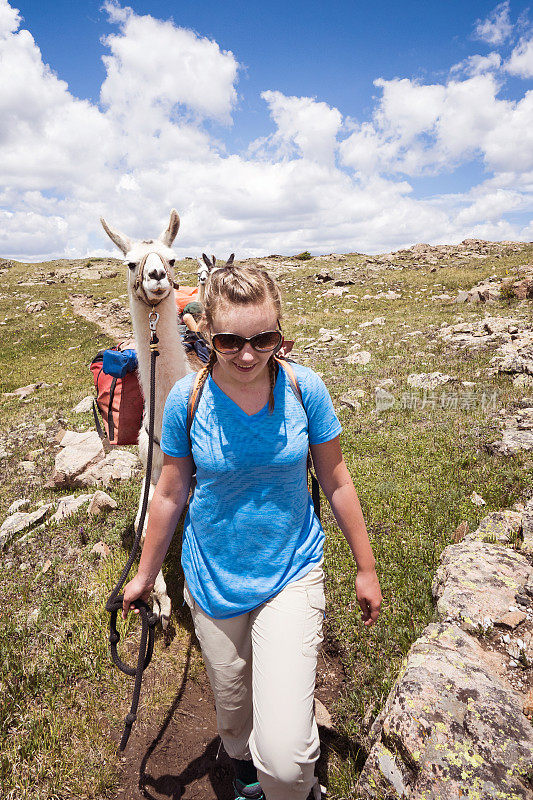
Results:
[36, 305]
[477, 582]
[118, 465]
[350, 400]
[512, 442]
[18, 505]
[360, 357]
[101, 549]
[20, 521]
[384, 399]
[524, 289]
[498, 526]
[322, 715]
[517, 434]
[428, 380]
[24, 391]
[101, 503]
[84, 405]
[80, 452]
[527, 529]
[69, 505]
[450, 727]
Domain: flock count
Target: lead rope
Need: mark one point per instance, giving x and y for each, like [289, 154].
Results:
[114, 603]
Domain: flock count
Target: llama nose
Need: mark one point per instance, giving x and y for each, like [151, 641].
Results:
[157, 274]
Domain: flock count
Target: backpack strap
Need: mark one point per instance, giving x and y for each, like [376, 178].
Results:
[195, 392]
[293, 380]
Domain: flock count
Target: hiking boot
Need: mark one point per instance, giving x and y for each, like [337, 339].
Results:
[248, 791]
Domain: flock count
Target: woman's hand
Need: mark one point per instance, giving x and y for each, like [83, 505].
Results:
[368, 594]
[135, 589]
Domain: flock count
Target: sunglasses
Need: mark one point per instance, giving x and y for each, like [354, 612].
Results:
[230, 343]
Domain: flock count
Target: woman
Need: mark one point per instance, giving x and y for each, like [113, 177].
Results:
[252, 546]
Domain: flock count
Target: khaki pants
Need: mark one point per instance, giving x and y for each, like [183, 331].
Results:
[262, 668]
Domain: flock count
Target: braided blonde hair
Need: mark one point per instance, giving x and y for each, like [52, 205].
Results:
[248, 285]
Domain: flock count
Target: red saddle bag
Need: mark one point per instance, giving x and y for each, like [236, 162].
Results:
[120, 402]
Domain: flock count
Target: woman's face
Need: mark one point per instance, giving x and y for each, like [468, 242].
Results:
[248, 365]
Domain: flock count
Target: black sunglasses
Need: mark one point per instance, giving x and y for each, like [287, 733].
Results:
[231, 343]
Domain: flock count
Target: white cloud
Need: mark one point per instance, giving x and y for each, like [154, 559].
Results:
[490, 206]
[155, 66]
[32, 234]
[419, 130]
[497, 27]
[476, 65]
[303, 124]
[521, 61]
[318, 182]
[9, 18]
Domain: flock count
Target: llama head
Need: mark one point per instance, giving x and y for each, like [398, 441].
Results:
[149, 261]
[206, 265]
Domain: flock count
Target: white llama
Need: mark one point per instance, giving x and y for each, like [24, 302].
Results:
[150, 284]
[206, 266]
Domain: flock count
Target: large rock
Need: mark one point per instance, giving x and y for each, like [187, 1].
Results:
[476, 582]
[498, 526]
[80, 451]
[360, 357]
[69, 505]
[512, 442]
[118, 465]
[20, 521]
[428, 380]
[84, 405]
[450, 728]
[101, 503]
[517, 434]
[527, 528]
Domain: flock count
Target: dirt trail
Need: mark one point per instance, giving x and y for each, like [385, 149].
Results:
[179, 753]
[111, 317]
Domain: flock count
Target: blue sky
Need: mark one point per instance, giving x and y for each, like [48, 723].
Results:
[270, 127]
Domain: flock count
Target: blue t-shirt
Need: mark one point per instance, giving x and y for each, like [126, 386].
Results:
[250, 528]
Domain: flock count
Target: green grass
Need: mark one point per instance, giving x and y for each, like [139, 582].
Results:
[414, 470]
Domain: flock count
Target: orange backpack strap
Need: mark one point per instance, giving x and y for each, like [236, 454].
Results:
[291, 376]
[293, 380]
[195, 392]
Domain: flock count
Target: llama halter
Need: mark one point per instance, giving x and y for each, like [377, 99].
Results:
[138, 282]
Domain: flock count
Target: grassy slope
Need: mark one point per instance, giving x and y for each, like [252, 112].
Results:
[414, 470]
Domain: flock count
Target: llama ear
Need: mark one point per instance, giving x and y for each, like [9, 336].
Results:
[122, 242]
[230, 260]
[206, 261]
[168, 236]
[213, 260]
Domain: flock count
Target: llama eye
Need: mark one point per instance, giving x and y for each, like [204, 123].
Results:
[172, 261]
[132, 264]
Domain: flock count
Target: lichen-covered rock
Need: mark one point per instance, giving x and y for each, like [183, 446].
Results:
[498, 526]
[428, 380]
[513, 441]
[477, 581]
[449, 729]
[527, 528]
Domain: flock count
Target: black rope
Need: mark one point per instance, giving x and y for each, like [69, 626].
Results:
[114, 603]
